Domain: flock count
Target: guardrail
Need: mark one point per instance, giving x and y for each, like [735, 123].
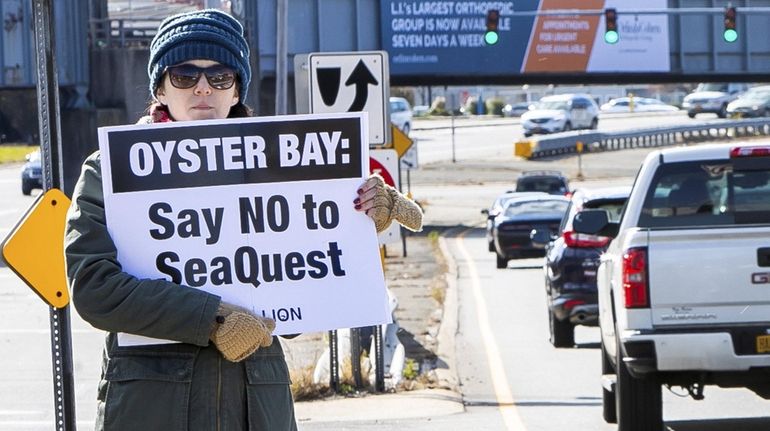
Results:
[593, 141]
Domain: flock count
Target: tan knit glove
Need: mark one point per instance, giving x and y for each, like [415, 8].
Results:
[384, 204]
[238, 333]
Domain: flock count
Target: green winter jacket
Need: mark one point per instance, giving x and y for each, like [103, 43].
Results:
[181, 386]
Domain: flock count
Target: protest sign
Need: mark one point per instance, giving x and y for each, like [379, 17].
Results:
[256, 210]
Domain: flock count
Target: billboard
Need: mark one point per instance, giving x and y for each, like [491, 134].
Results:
[447, 38]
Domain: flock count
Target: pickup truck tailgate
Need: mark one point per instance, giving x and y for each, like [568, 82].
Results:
[709, 276]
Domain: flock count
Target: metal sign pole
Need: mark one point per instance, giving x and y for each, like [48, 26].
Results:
[50, 150]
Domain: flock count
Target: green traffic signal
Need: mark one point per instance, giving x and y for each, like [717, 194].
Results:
[491, 37]
[611, 37]
[730, 35]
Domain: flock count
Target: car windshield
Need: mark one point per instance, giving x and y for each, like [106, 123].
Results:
[757, 95]
[541, 184]
[551, 104]
[716, 192]
[712, 87]
[536, 207]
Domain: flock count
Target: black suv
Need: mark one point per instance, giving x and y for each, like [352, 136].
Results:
[551, 182]
[570, 264]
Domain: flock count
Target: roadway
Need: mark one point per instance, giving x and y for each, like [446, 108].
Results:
[511, 378]
[495, 138]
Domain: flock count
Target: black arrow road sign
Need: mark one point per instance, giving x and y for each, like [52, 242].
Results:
[329, 83]
[361, 77]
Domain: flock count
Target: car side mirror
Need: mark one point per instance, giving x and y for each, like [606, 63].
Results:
[485, 212]
[540, 238]
[595, 222]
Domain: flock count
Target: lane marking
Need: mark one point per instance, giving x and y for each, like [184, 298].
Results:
[46, 331]
[11, 211]
[503, 393]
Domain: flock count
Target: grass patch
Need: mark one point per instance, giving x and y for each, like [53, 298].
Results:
[15, 153]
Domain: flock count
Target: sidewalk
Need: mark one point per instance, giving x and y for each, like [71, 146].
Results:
[427, 333]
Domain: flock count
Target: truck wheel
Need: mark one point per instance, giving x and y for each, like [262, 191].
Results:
[609, 412]
[691, 114]
[562, 333]
[502, 261]
[638, 401]
[26, 188]
[491, 245]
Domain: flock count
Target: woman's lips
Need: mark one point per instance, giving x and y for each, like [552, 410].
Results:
[203, 107]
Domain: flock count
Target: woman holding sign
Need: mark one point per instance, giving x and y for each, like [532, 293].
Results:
[224, 369]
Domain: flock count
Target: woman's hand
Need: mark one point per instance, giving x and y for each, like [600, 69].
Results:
[383, 204]
[238, 333]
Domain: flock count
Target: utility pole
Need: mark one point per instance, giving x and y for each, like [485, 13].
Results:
[281, 56]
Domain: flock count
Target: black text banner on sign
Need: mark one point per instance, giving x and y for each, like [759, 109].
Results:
[258, 211]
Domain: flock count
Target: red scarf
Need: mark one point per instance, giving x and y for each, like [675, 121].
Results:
[159, 115]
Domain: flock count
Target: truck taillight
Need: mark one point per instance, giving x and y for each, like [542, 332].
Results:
[635, 278]
[581, 240]
[749, 152]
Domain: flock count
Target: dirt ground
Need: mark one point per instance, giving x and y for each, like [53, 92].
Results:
[417, 281]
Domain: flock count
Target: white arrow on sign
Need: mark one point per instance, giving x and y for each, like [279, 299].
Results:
[352, 82]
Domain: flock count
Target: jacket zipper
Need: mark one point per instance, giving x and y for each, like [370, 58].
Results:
[219, 392]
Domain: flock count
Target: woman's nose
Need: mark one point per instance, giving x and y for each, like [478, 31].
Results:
[203, 87]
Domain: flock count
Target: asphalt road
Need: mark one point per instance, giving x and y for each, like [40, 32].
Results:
[512, 379]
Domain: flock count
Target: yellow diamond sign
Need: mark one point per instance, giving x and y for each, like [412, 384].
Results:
[34, 249]
[401, 142]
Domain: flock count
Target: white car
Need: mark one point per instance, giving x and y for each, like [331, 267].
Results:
[641, 104]
[560, 114]
[401, 114]
[712, 97]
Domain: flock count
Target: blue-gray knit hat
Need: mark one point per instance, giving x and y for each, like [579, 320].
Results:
[208, 34]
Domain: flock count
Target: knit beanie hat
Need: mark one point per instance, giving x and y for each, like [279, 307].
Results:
[208, 34]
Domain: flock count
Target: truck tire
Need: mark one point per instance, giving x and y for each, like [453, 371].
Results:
[638, 401]
[609, 412]
[562, 333]
[26, 188]
[502, 261]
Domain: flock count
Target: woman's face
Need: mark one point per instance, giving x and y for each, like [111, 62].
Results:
[199, 102]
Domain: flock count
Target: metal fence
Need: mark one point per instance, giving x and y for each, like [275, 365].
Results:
[121, 33]
[592, 141]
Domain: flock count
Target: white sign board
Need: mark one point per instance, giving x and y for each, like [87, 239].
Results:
[256, 210]
[385, 163]
[352, 82]
[409, 160]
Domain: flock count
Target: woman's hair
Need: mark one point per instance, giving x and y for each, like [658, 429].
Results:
[239, 110]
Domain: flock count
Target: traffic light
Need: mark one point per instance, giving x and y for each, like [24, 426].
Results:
[493, 18]
[730, 34]
[611, 26]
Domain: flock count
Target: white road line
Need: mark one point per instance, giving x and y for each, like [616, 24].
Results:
[37, 424]
[45, 331]
[11, 211]
[20, 412]
[503, 393]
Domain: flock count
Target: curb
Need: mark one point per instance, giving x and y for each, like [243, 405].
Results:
[447, 376]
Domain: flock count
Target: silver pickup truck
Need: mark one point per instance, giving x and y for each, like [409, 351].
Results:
[684, 287]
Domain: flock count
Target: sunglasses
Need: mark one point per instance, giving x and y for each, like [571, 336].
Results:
[187, 76]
